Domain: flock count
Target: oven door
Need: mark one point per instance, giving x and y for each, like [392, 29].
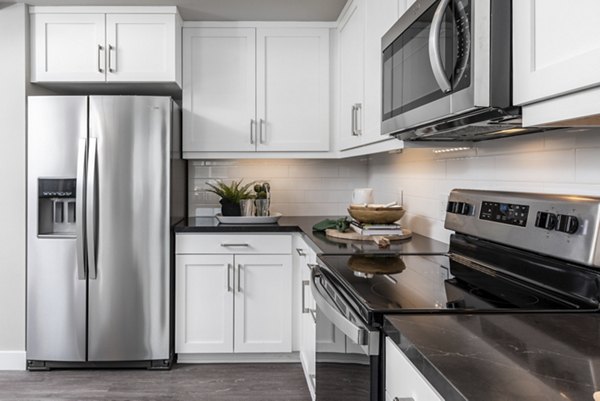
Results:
[426, 59]
[346, 349]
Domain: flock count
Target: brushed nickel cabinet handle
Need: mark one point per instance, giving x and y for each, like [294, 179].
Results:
[234, 245]
[239, 280]
[305, 283]
[110, 50]
[252, 131]
[301, 252]
[354, 120]
[100, 48]
[262, 123]
[229, 267]
[357, 126]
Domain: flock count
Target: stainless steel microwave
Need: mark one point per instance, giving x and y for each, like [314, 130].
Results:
[447, 69]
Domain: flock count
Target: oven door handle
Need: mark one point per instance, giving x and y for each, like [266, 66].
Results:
[435, 57]
[360, 335]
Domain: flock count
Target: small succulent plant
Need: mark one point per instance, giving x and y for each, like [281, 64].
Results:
[234, 192]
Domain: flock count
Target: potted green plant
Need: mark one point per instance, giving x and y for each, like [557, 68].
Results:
[231, 195]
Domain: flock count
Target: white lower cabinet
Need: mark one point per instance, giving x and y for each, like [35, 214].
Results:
[237, 303]
[204, 312]
[403, 381]
[263, 303]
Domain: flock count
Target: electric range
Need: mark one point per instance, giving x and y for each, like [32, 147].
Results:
[510, 252]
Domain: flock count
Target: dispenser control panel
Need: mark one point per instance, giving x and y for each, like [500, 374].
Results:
[57, 188]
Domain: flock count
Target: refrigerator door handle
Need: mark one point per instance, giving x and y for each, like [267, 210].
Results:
[79, 202]
[91, 209]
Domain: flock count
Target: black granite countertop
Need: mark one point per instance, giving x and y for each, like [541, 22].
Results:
[519, 357]
[418, 244]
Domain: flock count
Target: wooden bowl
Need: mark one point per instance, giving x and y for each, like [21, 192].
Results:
[376, 215]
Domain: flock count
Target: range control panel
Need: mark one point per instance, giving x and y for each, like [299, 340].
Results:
[506, 213]
[563, 226]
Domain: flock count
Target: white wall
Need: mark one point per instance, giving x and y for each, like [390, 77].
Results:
[553, 162]
[13, 69]
[298, 187]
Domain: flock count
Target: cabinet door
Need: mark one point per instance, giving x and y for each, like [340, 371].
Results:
[380, 16]
[555, 48]
[263, 303]
[403, 379]
[293, 89]
[351, 71]
[219, 89]
[67, 47]
[141, 47]
[204, 304]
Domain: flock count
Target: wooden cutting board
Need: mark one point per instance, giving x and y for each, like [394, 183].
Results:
[353, 235]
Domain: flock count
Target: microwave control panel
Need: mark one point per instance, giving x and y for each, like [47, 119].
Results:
[506, 213]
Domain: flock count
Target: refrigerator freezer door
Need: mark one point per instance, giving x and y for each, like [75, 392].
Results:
[129, 296]
[56, 297]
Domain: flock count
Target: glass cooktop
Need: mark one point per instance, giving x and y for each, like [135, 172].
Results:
[380, 284]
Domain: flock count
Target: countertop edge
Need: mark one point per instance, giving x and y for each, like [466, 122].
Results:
[437, 380]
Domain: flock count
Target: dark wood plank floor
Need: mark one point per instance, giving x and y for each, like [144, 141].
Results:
[218, 382]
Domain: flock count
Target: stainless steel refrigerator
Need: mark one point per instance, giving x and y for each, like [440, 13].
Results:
[105, 186]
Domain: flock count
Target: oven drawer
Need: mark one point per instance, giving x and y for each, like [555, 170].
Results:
[403, 381]
[233, 244]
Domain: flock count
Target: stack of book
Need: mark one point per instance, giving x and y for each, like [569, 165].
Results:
[376, 229]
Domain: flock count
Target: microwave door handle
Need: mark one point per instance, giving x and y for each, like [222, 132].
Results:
[435, 57]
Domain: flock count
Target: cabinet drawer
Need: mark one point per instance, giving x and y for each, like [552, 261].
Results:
[403, 380]
[233, 243]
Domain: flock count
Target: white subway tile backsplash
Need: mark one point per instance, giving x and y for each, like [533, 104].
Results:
[298, 187]
[470, 168]
[588, 165]
[558, 166]
[552, 162]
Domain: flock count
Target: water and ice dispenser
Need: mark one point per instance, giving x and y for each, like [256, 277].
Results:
[56, 207]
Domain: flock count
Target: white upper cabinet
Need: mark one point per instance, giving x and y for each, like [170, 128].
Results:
[219, 91]
[141, 47]
[255, 89]
[293, 89]
[556, 59]
[98, 44]
[360, 28]
[351, 37]
[68, 47]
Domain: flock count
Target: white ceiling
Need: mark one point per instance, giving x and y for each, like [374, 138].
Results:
[226, 10]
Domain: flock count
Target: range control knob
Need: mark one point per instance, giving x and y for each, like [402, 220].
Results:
[459, 208]
[567, 224]
[546, 220]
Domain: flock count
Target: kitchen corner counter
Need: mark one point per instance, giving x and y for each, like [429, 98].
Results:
[418, 244]
[498, 357]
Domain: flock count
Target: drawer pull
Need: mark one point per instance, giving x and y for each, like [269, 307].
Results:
[301, 252]
[234, 245]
